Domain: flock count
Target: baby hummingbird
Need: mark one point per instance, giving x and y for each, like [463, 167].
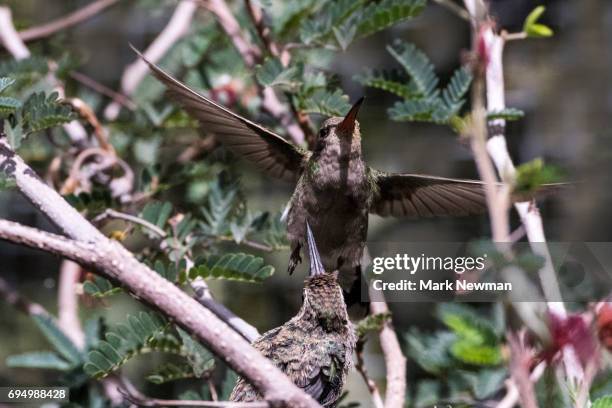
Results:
[314, 349]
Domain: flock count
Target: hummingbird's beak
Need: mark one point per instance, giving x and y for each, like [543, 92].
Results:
[316, 268]
[348, 124]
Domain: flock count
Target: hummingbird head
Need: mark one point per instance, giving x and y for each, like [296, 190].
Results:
[337, 128]
[323, 301]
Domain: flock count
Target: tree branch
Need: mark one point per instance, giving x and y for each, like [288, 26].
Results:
[67, 21]
[493, 46]
[361, 368]
[395, 361]
[92, 249]
[68, 303]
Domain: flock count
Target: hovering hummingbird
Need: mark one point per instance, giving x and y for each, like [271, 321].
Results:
[314, 349]
[336, 190]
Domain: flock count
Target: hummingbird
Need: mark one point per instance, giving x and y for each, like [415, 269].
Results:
[314, 349]
[335, 189]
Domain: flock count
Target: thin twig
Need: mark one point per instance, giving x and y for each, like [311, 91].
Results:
[68, 303]
[395, 361]
[143, 401]
[454, 8]
[512, 395]
[109, 213]
[361, 368]
[103, 90]
[72, 19]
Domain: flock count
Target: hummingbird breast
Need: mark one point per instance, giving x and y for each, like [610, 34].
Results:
[333, 196]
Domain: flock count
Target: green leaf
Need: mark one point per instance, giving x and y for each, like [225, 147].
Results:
[200, 359]
[157, 213]
[272, 73]
[100, 287]
[228, 384]
[14, 134]
[417, 65]
[506, 114]
[452, 95]
[427, 393]
[603, 402]
[371, 323]
[415, 110]
[222, 200]
[469, 352]
[533, 174]
[531, 26]
[384, 14]
[38, 359]
[484, 383]
[170, 372]
[390, 81]
[326, 103]
[24, 69]
[467, 324]
[237, 266]
[431, 352]
[42, 112]
[5, 82]
[320, 27]
[9, 105]
[143, 333]
[62, 344]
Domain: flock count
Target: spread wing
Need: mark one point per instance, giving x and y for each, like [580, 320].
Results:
[415, 195]
[267, 150]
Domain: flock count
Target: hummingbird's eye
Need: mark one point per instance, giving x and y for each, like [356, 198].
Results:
[323, 132]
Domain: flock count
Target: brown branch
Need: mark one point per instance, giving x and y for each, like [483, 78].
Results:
[112, 214]
[92, 249]
[395, 361]
[68, 303]
[69, 20]
[361, 368]
[103, 90]
[142, 400]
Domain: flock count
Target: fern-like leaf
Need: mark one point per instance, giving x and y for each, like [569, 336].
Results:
[100, 287]
[453, 94]
[239, 267]
[378, 16]
[200, 359]
[391, 81]
[142, 333]
[506, 114]
[417, 65]
[326, 103]
[170, 372]
[42, 112]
